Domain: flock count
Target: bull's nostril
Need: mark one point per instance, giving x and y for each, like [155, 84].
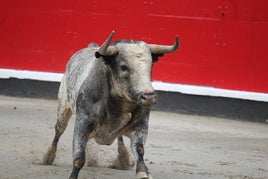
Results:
[147, 98]
[150, 94]
[143, 97]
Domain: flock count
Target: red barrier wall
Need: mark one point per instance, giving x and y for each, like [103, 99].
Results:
[223, 43]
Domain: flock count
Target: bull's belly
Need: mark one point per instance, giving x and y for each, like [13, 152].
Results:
[104, 139]
[111, 129]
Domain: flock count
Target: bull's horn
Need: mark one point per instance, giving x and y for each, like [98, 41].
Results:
[161, 49]
[105, 49]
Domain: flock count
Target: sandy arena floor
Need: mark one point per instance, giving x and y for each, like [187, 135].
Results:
[178, 146]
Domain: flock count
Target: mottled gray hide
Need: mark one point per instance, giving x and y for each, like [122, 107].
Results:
[109, 89]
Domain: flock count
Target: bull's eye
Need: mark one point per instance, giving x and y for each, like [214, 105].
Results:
[124, 68]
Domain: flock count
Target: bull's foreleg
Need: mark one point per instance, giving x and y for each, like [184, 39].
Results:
[137, 145]
[138, 138]
[82, 130]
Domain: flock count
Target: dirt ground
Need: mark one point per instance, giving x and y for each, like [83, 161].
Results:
[178, 146]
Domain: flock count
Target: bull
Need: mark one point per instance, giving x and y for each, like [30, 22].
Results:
[109, 89]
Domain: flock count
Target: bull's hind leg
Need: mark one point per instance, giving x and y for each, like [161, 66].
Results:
[92, 153]
[123, 161]
[63, 116]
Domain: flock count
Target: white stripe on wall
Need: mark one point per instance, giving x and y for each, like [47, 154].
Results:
[209, 91]
[161, 86]
[33, 75]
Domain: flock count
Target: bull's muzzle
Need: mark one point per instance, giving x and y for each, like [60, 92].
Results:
[147, 98]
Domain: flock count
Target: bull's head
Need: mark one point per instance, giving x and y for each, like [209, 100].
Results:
[131, 66]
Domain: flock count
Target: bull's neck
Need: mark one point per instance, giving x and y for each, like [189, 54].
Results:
[117, 104]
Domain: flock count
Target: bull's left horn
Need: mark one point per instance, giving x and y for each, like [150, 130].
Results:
[162, 49]
[105, 49]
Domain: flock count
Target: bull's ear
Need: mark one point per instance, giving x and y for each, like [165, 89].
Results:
[109, 60]
[156, 56]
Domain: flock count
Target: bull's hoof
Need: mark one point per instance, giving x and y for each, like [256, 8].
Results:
[143, 175]
[92, 163]
[49, 157]
[122, 164]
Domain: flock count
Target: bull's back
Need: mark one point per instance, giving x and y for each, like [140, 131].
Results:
[78, 69]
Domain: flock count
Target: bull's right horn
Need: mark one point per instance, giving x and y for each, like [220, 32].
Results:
[105, 49]
[162, 49]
